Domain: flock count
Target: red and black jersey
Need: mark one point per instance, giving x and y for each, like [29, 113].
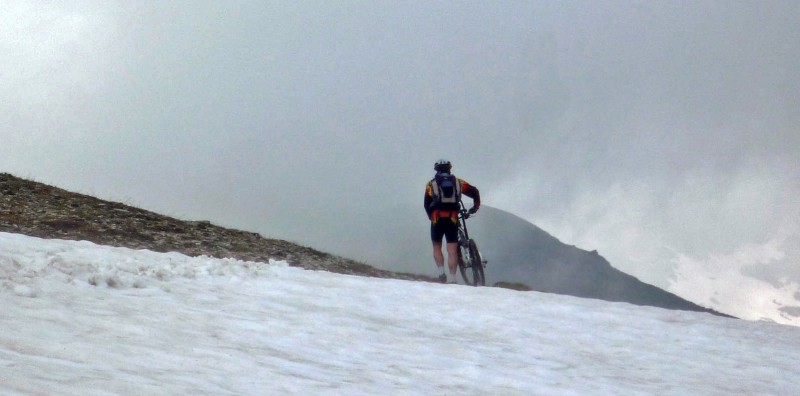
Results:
[449, 210]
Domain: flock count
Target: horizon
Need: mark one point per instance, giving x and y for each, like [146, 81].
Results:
[750, 300]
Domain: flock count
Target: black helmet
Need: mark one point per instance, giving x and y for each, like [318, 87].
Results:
[442, 165]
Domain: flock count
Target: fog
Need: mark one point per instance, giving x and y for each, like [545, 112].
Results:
[654, 132]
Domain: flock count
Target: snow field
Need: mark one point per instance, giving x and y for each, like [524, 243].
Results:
[81, 319]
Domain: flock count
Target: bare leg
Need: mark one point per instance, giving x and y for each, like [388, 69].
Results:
[452, 259]
[439, 259]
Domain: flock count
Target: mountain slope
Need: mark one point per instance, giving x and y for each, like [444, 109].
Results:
[517, 252]
[521, 252]
[40, 210]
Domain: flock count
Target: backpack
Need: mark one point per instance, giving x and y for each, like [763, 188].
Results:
[446, 190]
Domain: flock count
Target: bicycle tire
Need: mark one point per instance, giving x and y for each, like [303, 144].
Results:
[470, 264]
[463, 256]
[477, 264]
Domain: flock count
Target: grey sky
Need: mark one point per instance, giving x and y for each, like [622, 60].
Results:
[646, 130]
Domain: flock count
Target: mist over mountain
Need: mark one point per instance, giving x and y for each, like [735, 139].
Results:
[517, 252]
[662, 134]
[522, 252]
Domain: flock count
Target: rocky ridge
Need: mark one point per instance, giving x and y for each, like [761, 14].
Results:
[40, 210]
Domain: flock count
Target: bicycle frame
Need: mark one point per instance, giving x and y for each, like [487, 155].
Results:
[463, 215]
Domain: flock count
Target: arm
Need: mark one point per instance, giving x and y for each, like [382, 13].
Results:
[472, 192]
[428, 199]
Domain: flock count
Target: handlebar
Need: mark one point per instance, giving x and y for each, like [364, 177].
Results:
[464, 212]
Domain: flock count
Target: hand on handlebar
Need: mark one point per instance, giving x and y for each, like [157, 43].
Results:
[467, 213]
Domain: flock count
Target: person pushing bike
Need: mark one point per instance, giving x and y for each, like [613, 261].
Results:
[442, 204]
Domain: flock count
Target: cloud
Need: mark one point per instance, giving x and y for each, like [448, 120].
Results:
[679, 136]
[642, 225]
[719, 281]
[640, 129]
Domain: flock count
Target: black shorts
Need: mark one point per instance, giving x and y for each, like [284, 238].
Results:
[444, 227]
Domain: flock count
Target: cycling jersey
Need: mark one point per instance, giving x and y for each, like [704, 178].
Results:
[449, 210]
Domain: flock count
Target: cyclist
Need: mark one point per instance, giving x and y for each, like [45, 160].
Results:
[442, 203]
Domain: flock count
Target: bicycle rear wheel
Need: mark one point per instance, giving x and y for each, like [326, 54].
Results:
[477, 264]
[470, 263]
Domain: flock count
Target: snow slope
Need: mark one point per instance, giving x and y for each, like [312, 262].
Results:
[83, 319]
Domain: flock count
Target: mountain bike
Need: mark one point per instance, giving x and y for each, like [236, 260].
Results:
[470, 262]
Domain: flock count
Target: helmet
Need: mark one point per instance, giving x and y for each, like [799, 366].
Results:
[442, 165]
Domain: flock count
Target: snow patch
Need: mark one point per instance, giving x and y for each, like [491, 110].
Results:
[111, 267]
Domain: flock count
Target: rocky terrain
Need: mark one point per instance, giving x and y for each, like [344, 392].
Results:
[40, 210]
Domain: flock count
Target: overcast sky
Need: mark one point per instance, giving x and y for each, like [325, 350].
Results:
[655, 132]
